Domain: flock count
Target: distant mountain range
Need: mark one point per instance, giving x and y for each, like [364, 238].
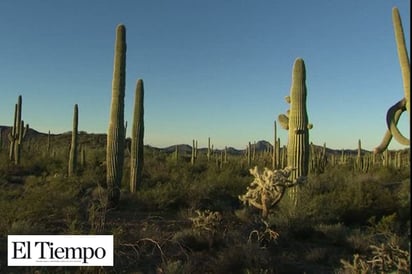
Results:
[99, 139]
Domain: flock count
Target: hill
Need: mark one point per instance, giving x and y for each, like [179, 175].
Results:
[98, 140]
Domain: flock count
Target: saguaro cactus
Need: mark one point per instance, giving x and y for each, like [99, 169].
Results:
[276, 149]
[136, 155]
[73, 147]
[209, 151]
[193, 155]
[83, 156]
[394, 113]
[17, 133]
[116, 135]
[296, 122]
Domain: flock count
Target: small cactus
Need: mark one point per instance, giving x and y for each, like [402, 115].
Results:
[48, 144]
[209, 150]
[73, 147]
[17, 133]
[193, 155]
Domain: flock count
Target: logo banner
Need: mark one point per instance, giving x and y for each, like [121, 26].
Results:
[60, 250]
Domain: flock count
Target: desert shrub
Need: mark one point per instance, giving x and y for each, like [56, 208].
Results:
[53, 204]
[183, 186]
[338, 197]
[316, 255]
[206, 232]
[194, 240]
[358, 240]
[334, 233]
[387, 249]
[164, 196]
[22, 227]
[243, 258]
[216, 190]
[9, 192]
[403, 200]
[173, 267]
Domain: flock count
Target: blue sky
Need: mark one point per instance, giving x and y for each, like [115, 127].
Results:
[215, 68]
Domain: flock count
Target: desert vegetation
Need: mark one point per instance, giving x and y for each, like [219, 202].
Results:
[299, 208]
[187, 218]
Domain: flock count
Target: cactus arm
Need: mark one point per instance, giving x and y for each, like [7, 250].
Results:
[283, 121]
[26, 129]
[403, 56]
[398, 108]
[388, 135]
[287, 99]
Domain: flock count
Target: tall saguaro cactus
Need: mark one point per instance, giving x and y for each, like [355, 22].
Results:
[17, 133]
[73, 147]
[394, 112]
[136, 154]
[296, 122]
[116, 135]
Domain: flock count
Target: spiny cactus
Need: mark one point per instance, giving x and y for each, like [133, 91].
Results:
[363, 161]
[359, 155]
[209, 150]
[276, 149]
[48, 144]
[136, 156]
[73, 147]
[17, 133]
[296, 122]
[318, 159]
[83, 156]
[267, 188]
[249, 154]
[116, 135]
[396, 110]
[193, 155]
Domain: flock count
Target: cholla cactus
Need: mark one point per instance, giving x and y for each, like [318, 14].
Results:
[206, 220]
[268, 188]
[385, 258]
